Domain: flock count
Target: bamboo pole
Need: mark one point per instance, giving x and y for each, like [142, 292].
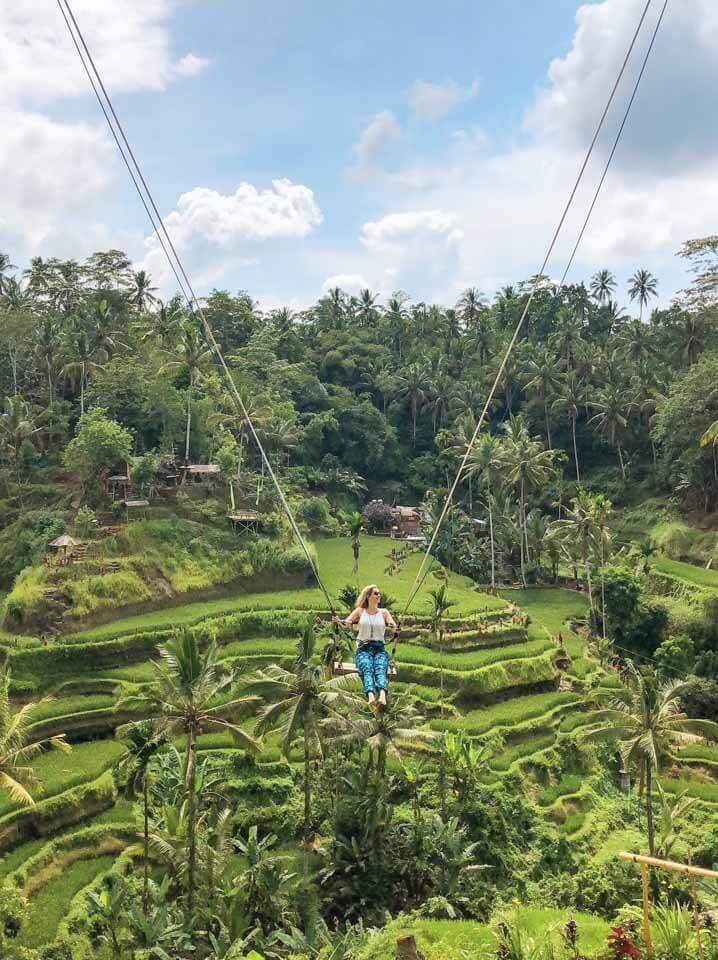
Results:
[671, 865]
[646, 922]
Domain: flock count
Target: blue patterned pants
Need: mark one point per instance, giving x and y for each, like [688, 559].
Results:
[372, 662]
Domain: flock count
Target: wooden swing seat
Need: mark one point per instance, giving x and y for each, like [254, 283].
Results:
[340, 669]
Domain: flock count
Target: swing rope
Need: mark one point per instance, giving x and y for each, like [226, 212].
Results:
[175, 262]
[425, 568]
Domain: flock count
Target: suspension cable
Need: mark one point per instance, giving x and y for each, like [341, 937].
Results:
[424, 568]
[176, 264]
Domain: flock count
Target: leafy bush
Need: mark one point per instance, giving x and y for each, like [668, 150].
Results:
[315, 514]
[86, 522]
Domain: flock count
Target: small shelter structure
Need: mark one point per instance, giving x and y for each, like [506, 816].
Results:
[244, 521]
[64, 544]
[407, 523]
[200, 472]
[134, 505]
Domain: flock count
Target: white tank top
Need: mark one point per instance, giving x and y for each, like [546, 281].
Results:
[372, 628]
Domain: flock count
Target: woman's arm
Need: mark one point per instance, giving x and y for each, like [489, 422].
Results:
[353, 618]
[389, 620]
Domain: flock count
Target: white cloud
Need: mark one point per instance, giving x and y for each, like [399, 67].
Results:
[382, 129]
[348, 282]
[218, 232]
[397, 231]
[53, 174]
[432, 101]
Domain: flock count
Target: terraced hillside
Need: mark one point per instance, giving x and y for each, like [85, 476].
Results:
[497, 667]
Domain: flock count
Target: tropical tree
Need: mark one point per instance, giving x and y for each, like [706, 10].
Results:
[642, 286]
[646, 718]
[18, 747]
[5, 267]
[571, 397]
[143, 739]
[88, 359]
[193, 356]
[396, 317]
[142, 293]
[528, 467]
[297, 700]
[18, 425]
[602, 285]
[542, 381]
[710, 439]
[481, 464]
[414, 383]
[368, 311]
[355, 528]
[614, 408]
[580, 528]
[189, 695]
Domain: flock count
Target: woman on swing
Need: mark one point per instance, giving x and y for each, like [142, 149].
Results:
[371, 659]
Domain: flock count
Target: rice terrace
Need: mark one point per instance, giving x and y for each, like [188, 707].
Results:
[359, 512]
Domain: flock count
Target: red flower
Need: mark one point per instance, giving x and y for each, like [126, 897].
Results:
[621, 945]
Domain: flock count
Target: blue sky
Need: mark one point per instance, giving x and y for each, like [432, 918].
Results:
[402, 146]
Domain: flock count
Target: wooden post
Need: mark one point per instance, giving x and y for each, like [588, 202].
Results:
[696, 916]
[406, 949]
[646, 923]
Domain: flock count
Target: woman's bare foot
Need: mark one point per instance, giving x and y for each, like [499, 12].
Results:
[382, 698]
[371, 700]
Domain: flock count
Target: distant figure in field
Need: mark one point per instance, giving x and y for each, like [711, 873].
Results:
[372, 661]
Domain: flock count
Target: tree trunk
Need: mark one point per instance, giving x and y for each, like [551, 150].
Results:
[575, 448]
[189, 418]
[191, 816]
[587, 564]
[522, 533]
[146, 878]
[307, 806]
[620, 460]
[649, 808]
[406, 949]
[82, 389]
[493, 545]
[548, 427]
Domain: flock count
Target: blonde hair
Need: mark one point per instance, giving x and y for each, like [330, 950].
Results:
[363, 598]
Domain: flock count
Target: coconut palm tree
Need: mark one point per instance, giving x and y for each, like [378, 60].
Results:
[710, 439]
[528, 467]
[414, 383]
[483, 459]
[368, 312]
[142, 293]
[440, 606]
[143, 740]
[89, 358]
[387, 733]
[614, 408]
[643, 286]
[297, 700]
[571, 397]
[602, 286]
[646, 718]
[191, 695]
[581, 528]
[396, 317]
[471, 304]
[542, 379]
[5, 267]
[18, 748]
[166, 324]
[193, 356]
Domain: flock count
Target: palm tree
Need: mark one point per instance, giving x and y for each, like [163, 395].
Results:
[190, 695]
[481, 463]
[368, 311]
[580, 528]
[414, 383]
[5, 267]
[647, 720]
[87, 360]
[47, 341]
[570, 399]
[643, 285]
[193, 356]
[603, 284]
[710, 439]
[691, 332]
[528, 467]
[297, 700]
[142, 293]
[470, 306]
[396, 317]
[355, 528]
[143, 739]
[166, 324]
[542, 381]
[611, 420]
[387, 733]
[17, 747]
[440, 606]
